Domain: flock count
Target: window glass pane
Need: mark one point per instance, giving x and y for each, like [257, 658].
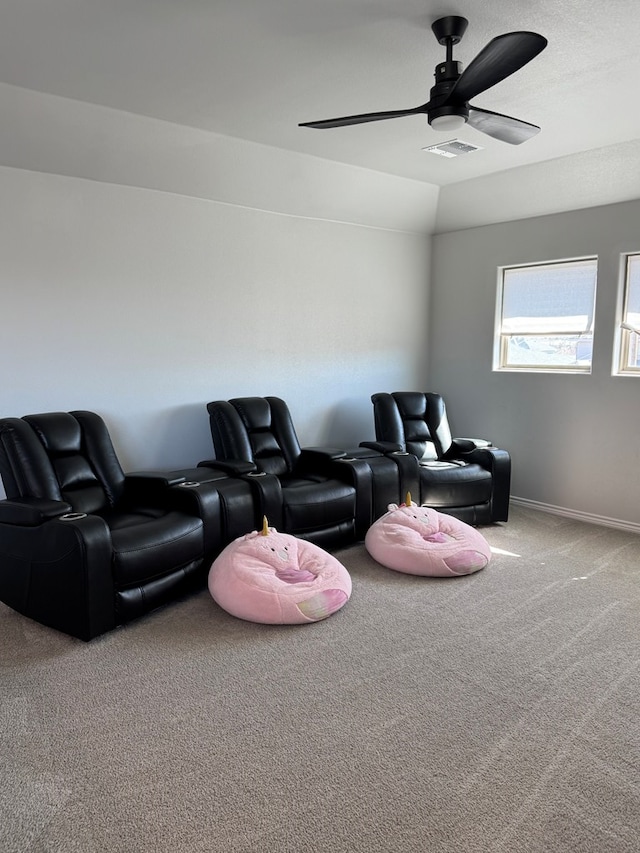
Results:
[550, 298]
[632, 352]
[629, 355]
[545, 316]
[633, 291]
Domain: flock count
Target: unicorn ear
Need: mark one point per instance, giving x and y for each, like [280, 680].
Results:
[392, 507]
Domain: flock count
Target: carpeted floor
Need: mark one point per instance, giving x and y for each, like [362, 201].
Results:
[497, 712]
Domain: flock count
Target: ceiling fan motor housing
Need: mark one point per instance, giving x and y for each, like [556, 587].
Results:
[447, 74]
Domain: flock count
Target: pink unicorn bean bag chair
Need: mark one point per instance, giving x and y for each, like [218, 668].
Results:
[277, 579]
[418, 540]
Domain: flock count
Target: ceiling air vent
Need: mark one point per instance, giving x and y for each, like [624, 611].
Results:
[452, 148]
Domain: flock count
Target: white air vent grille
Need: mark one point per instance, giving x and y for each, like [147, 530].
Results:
[452, 148]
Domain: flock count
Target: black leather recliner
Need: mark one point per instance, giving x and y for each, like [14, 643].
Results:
[84, 547]
[467, 478]
[316, 493]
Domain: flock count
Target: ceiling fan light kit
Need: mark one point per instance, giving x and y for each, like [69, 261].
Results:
[448, 108]
[448, 121]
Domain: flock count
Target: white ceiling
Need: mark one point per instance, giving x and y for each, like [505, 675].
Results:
[253, 69]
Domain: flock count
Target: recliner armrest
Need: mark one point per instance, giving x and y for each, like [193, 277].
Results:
[154, 478]
[152, 487]
[464, 445]
[31, 512]
[459, 446]
[321, 454]
[488, 457]
[234, 467]
[383, 446]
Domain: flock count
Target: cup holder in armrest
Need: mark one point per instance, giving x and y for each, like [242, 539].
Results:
[256, 474]
[189, 484]
[400, 453]
[72, 516]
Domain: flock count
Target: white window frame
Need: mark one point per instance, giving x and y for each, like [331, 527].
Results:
[501, 338]
[627, 336]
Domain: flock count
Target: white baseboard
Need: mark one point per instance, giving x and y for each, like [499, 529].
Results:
[619, 524]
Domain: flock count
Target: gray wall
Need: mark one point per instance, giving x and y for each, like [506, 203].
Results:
[143, 305]
[573, 439]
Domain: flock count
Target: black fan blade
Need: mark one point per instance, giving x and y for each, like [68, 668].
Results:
[361, 119]
[504, 128]
[503, 56]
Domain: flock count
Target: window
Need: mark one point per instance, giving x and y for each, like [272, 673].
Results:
[628, 360]
[544, 316]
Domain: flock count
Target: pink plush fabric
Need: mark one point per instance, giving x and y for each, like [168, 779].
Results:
[421, 541]
[278, 579]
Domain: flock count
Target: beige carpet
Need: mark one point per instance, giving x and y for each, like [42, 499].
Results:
[497, 712]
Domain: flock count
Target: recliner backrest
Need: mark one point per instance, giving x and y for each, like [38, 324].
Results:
[25, 468]
[438, 424]
[61, 456]
[416, 420]
[412, 409]
[256, 429]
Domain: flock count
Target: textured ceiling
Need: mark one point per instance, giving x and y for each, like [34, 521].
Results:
[255, 68]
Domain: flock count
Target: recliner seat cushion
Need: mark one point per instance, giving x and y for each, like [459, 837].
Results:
[454, 484]
[147, 545]
[309, 505]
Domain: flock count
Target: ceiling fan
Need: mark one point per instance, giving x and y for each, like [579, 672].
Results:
[448, 107]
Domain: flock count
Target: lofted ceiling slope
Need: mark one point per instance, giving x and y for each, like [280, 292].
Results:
[254, 69]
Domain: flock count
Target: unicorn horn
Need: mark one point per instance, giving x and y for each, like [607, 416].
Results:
[407, 500]
[265, 526]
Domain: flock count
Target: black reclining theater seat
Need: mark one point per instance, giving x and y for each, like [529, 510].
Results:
[467, 478]
[316, 493]
[84, 547]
